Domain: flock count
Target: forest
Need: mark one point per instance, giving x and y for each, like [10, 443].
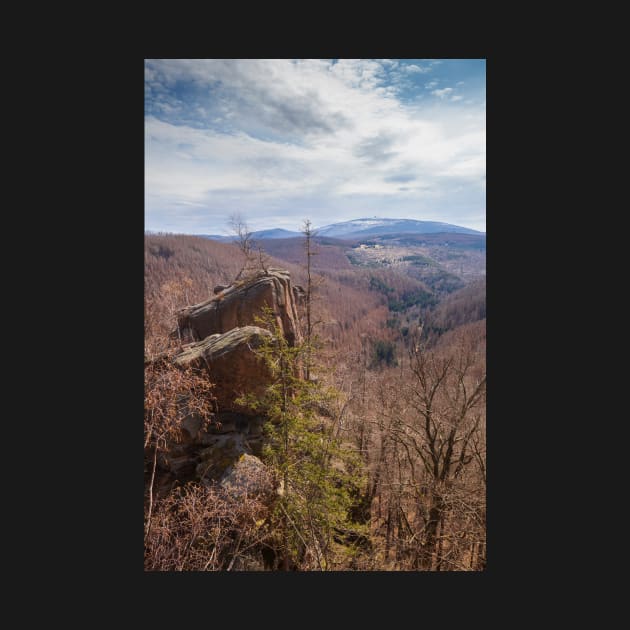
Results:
[369, 444]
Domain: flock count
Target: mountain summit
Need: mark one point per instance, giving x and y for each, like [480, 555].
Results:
[375, 225]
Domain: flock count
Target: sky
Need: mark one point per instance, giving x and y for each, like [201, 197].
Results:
[282, 140]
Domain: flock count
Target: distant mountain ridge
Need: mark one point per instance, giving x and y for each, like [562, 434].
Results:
[367, 227]
[357, 228]
[260, 234]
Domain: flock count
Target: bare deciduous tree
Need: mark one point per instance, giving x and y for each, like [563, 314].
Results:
[254, 256]
[443, 434]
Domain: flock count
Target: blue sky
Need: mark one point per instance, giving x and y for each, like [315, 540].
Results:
[281, 140]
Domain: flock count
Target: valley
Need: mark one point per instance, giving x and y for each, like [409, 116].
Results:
[393, 317]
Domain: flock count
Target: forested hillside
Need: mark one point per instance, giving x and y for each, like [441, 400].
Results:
[383, 394]
[182, 270]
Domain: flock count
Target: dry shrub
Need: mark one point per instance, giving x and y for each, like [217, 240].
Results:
[197, 528]
[171, 396]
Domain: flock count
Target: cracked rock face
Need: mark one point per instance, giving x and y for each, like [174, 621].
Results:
[231, 364]
[239, 304]
[225, 339]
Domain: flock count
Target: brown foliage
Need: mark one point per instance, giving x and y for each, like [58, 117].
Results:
[419, 427]
[171, 395]
[291, 250]
[421, 430]
[197, 528]
[181, 270]
[461, 307]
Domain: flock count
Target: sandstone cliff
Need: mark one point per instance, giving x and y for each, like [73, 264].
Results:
[225, 340]
[240, 303]
[231, 363]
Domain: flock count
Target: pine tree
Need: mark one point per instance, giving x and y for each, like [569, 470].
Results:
[314, 471]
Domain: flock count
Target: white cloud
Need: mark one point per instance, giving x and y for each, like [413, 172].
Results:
[443, 92]
[457, 97]
[415, 68]
[308, 137]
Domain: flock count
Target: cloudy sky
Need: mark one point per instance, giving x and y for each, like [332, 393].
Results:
[282, 140]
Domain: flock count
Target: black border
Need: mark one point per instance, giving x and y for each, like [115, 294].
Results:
[112, 311]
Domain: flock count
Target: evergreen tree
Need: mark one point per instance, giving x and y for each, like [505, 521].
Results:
[315, 473]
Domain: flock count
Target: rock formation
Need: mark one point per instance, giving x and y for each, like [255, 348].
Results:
[232, 365]
[225, 340]
[240, 303]
[247, 476]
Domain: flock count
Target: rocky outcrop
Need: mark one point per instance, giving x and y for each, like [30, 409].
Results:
[241, 303]
[227, 422]
[220, 454]
[232, 365]
[247, 477]
[225, 341]
[206, 452]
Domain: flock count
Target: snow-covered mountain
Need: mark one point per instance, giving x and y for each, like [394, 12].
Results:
[358, 228]
[365, 227]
